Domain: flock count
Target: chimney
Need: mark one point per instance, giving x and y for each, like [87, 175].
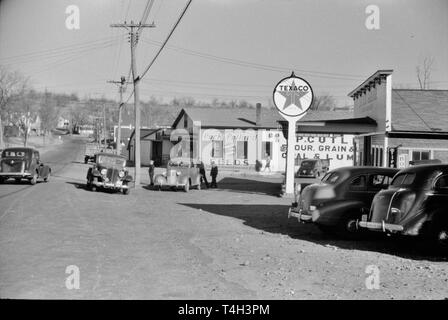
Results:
[258, 114]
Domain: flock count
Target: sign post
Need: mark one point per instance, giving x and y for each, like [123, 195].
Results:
[292, 97]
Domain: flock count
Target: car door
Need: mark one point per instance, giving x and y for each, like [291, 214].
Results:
[439, 197]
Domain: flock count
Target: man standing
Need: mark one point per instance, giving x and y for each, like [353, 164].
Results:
[151, 172]
[268, 163]
[202, 173]
[214, 174]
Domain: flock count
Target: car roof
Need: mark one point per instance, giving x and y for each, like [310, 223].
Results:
[23, 149]
[425, 168]
[365, 169]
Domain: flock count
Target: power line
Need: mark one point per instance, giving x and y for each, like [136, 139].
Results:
[167, 38]
[243, 63]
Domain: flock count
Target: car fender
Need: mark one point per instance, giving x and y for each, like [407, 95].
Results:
[332, 213]
[160, 179]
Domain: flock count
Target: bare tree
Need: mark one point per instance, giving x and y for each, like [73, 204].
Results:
[11, 84]
[423, 72]
[323, 102]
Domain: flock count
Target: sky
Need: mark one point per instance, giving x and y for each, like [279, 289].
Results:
[225, 49]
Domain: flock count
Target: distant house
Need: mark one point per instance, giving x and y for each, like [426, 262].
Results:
[155, 145]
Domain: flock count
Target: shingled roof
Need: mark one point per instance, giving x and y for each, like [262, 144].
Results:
[419, 110]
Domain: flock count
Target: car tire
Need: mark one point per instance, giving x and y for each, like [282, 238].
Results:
[187, 186]
[1, 180]
[93, 188]
[440, 236]
[47, 178]
[33, 180]
[126, 191]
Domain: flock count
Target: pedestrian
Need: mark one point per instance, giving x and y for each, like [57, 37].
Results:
[151, 172]
[214, 174]
[268, 163]
[202, 173]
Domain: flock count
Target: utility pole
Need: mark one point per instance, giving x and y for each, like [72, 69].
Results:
[121, 89]
[136, 80]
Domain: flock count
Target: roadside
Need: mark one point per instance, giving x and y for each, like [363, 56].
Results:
[41, 143]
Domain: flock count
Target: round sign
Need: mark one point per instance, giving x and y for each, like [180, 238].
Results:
[293, 96]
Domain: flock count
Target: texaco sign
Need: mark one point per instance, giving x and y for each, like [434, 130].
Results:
[293, 97]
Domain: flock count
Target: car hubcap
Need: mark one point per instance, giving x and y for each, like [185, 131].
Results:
[443, 238]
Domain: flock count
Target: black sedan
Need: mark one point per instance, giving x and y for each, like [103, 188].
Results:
[416, 204]
[339, 200]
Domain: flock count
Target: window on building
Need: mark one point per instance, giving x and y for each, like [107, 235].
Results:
[217, 149]
[420, 155]
[241, 149]
[266, 149]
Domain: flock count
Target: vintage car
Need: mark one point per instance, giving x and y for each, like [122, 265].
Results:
[312, 168]
[339, 200]
[23, 163]
[180, 173]
[109, 172]
[415, 204]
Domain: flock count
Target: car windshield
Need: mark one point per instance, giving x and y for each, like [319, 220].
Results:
[403, 179]
[8, 153]
[307, 164]
[111, 161]
[331, 178]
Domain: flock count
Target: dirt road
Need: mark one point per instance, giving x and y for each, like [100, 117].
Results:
[234, 242]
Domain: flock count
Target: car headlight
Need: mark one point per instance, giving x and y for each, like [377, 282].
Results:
[103, 172]
[178, 173]
[121, 174]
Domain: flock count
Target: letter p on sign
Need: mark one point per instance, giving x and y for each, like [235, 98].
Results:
[72, 281]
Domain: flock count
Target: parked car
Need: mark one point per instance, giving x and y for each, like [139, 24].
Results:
[415, 204]
[339, 200]
[180, 172]
[23, 163]
[313, 168]
[109, 172]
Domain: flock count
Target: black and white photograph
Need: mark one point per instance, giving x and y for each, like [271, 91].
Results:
[247, 151]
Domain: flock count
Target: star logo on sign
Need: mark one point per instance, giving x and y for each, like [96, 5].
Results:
[292, 97]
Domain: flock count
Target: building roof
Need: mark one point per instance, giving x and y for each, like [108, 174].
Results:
[377, 76]
[419, 110]
[231, 118]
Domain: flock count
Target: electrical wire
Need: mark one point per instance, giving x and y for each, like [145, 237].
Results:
[167, 39]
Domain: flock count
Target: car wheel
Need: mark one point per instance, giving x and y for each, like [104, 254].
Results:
[33, 180]
[47, 178]
[1, 180]
[93, 188]
[441, 238]
[187, 186]
[127, 191]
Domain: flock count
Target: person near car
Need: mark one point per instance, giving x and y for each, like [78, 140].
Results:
[214, 174]
[151, 172]
[202, 173]
[268, 163]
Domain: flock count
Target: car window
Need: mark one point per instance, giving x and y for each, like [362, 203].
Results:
[442, 183]
[403, 179]
[358, 182]
[331, 178]
[379, 180]
[307, 164]
[14, 154]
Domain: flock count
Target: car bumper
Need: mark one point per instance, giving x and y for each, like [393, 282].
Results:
[110, 185]
[380, 226]
[300, 214]
[15, 175]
